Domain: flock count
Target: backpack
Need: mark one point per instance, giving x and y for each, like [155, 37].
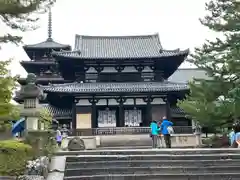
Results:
[170, 130]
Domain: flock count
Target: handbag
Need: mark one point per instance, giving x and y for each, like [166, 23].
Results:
[170, 130]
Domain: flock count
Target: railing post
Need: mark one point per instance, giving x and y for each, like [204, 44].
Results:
[120, 119]
[198, 136]
[129, 130]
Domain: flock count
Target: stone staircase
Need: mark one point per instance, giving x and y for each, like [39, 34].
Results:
[148, 164]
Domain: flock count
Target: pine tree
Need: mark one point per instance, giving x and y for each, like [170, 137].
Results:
[21, 15]
[214, 102]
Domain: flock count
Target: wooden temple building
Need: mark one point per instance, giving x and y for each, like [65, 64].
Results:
[107, 81]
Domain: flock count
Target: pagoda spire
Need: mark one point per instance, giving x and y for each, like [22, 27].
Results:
[49, 25]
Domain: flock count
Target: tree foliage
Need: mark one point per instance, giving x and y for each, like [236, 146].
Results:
[21, 15]
[8, 84]
[215, 101]
[45, 117]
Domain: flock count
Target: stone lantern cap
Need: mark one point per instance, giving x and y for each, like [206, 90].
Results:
[31, 90]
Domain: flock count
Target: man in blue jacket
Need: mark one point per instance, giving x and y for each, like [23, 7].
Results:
[154, 133]
[165, 132]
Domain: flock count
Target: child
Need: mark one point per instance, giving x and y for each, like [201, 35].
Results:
[59, 137]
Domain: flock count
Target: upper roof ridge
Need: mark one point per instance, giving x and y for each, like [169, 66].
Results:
[148, 37]
[155, 35]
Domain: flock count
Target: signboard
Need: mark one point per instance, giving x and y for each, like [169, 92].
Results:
[83, 121]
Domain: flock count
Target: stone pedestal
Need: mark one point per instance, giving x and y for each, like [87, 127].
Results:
[90, 142]
[198, 139]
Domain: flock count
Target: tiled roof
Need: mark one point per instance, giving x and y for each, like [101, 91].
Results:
[44, 79]
[188, 74]
[50, 62]
[98, 47]
[49, 43]
[177, 110]
[50, 78]
[58, 112]
[115, 87]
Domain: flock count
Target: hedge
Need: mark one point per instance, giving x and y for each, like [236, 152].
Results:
[43, 142]
[13, 157]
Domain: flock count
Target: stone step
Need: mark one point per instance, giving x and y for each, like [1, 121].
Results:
[149, 170]
[91, 158]
[150, 151]
[180, 176]
[150, 163]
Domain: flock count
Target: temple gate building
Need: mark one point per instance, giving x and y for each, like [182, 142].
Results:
[108, 81]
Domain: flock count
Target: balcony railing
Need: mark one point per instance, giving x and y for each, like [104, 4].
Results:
[127, 131]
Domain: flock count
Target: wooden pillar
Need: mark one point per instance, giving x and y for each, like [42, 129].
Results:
[168, 108]
[148, 116]
[94, 101]
[74, 118]
[120, 119]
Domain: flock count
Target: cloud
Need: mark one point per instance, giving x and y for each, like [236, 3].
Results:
[175, 21]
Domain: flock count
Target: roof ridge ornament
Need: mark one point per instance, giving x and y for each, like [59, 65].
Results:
[50, 25]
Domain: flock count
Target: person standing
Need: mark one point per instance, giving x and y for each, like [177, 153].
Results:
[236, 136]
[166, 126]
[154, 133]
[59, 137]
[231, 137]
[160, 142]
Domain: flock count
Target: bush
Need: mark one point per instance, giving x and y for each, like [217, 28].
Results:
[43, 142]
[217, 142]
[13, 157]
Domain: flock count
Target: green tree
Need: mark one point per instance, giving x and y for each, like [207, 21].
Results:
[8, 84]
[45, 117]
[21, 15]
[214, 102]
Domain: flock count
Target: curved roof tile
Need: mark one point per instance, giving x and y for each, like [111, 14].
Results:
[115, 87]
[58, 112]
[146, 46]
[49, 43]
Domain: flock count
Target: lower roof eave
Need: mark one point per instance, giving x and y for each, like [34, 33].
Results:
[42, 62]
[116, 88]
[65, 57]
[23, 81]
[117, 93]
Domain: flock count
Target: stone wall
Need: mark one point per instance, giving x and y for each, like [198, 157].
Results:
[178, 140]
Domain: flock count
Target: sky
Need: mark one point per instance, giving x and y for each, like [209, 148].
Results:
[176, 22]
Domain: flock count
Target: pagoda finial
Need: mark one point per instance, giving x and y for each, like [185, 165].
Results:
[50, 24]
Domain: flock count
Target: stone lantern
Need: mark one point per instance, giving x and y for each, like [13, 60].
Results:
[31, 94]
